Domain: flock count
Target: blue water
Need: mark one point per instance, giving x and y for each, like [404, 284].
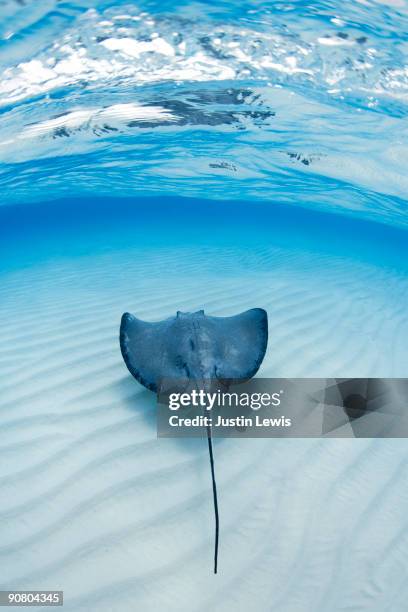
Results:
[166, 156]
[297, 103]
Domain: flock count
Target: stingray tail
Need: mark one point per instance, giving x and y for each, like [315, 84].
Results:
[215, 499]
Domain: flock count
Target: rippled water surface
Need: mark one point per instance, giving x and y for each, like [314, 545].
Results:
[296, 102]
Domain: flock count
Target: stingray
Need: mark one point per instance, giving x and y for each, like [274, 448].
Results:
[198, 348]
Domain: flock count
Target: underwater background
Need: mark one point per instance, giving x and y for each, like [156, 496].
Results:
[162, 156]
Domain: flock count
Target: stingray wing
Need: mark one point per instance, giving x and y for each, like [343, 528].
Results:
[143, 348]
[242, 342]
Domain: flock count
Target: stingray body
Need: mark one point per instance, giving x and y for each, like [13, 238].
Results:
[197, 348]
[194, 346]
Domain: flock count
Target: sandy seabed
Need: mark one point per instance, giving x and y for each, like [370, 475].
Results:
[94, 504]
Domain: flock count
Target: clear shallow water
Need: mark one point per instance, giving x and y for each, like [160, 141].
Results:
[300, 103]
[92, 503]
[166, 157]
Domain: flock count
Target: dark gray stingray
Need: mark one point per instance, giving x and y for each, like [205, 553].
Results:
[199, 348]
[195, 346]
